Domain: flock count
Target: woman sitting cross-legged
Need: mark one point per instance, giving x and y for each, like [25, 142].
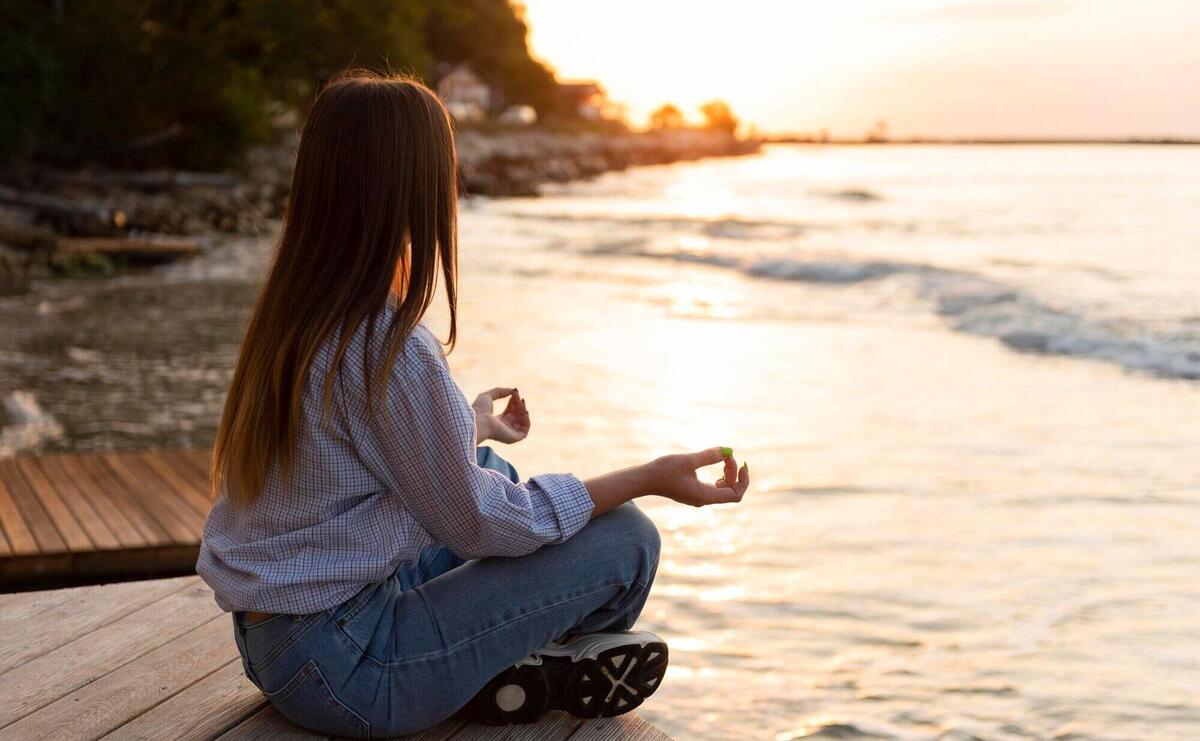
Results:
[383, 571]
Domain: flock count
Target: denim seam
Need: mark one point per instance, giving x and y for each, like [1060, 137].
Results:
[451, 649]
[355, 609]
[433, 619]
[295, 682]
[285, 644]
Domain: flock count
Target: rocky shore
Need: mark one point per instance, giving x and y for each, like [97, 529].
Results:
[56, 222]
[518, 161]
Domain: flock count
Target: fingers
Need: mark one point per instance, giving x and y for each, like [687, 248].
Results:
[499, 392]
[743, 481]
[731, 469]
[735, 486]
[516, 413]
[705, 457]
[718, 494]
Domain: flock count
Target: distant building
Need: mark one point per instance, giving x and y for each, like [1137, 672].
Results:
[467, 96]
[586, 98]
[519, 115]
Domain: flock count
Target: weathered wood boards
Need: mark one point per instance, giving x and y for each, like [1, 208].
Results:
[156, 660]
[88, 517]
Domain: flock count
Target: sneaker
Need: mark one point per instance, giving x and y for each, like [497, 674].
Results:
[595, 675]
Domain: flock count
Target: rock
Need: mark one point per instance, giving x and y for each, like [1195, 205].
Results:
[14, 270]
[513, 161]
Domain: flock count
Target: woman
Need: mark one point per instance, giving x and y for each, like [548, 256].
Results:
[382, 571]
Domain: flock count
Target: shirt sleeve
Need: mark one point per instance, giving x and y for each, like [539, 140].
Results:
[426, 444]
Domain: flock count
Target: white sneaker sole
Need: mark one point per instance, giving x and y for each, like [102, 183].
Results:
[597, 675]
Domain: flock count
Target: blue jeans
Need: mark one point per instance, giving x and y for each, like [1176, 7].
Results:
[408, 652]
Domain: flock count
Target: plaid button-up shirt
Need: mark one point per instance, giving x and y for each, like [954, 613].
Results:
[369, 491]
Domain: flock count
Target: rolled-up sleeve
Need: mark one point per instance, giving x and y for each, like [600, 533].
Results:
[426, 450]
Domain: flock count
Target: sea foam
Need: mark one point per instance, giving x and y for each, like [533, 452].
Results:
[982, 306]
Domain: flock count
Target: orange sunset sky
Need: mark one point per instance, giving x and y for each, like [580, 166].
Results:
[1104, 68]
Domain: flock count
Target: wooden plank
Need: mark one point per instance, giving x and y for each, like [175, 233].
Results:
[204, 710]
[93, 524]
[35, 623]
[35, 516]
[17, 533]
[175, 517]
[195, 496]
[200, 460]
[5, 548]
[42, 681]
[186, 467]
[96, 475]
[64, 520]
[126, 692]
[268, 725]
[631, 727]
[439, 732]
[108, 507]
[17, 610]
[183, 500]
[553, 727]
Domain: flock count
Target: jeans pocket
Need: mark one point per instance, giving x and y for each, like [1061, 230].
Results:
[266, 641]
[307, 701]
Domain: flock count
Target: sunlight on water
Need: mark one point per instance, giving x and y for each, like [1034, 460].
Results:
[963, 379]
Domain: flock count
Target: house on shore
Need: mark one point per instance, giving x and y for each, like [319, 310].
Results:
[468, 97]
[585, 98]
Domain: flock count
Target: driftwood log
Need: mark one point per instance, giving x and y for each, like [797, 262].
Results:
[148, 249]
[66, 214]
[149, 181]
[26, 236]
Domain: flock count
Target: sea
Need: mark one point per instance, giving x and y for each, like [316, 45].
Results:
[966, 379]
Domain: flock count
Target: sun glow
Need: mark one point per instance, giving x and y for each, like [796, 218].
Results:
[930, 67]
[687, 53]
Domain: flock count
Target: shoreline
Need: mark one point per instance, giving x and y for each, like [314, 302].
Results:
[86, 223]
[1000, 142]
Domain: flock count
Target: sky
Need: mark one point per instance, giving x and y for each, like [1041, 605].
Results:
[945, 68]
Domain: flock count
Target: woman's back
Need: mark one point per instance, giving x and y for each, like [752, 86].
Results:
[371, 486]
[310, 545]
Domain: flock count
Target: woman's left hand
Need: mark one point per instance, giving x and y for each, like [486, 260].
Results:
[510, 426]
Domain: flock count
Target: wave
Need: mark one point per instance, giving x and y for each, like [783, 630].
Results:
[724, 227]
[858, 195]
[1026, 323]
[980, 306]
[826, 271]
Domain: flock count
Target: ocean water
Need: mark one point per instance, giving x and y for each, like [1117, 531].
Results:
[967, 380]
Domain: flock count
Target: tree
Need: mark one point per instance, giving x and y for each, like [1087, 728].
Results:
[667, 117]
[491, 36]
[719, 116]
[191, 84]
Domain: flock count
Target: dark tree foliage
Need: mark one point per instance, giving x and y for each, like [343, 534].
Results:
[491, 36]
[29, 73]
[191, 83]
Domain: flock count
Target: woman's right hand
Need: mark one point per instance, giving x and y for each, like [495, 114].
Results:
[674, 476]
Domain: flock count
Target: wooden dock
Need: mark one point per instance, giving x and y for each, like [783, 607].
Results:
[85, 518]
[156, 659]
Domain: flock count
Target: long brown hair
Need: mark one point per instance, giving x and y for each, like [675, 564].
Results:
[371, 218]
